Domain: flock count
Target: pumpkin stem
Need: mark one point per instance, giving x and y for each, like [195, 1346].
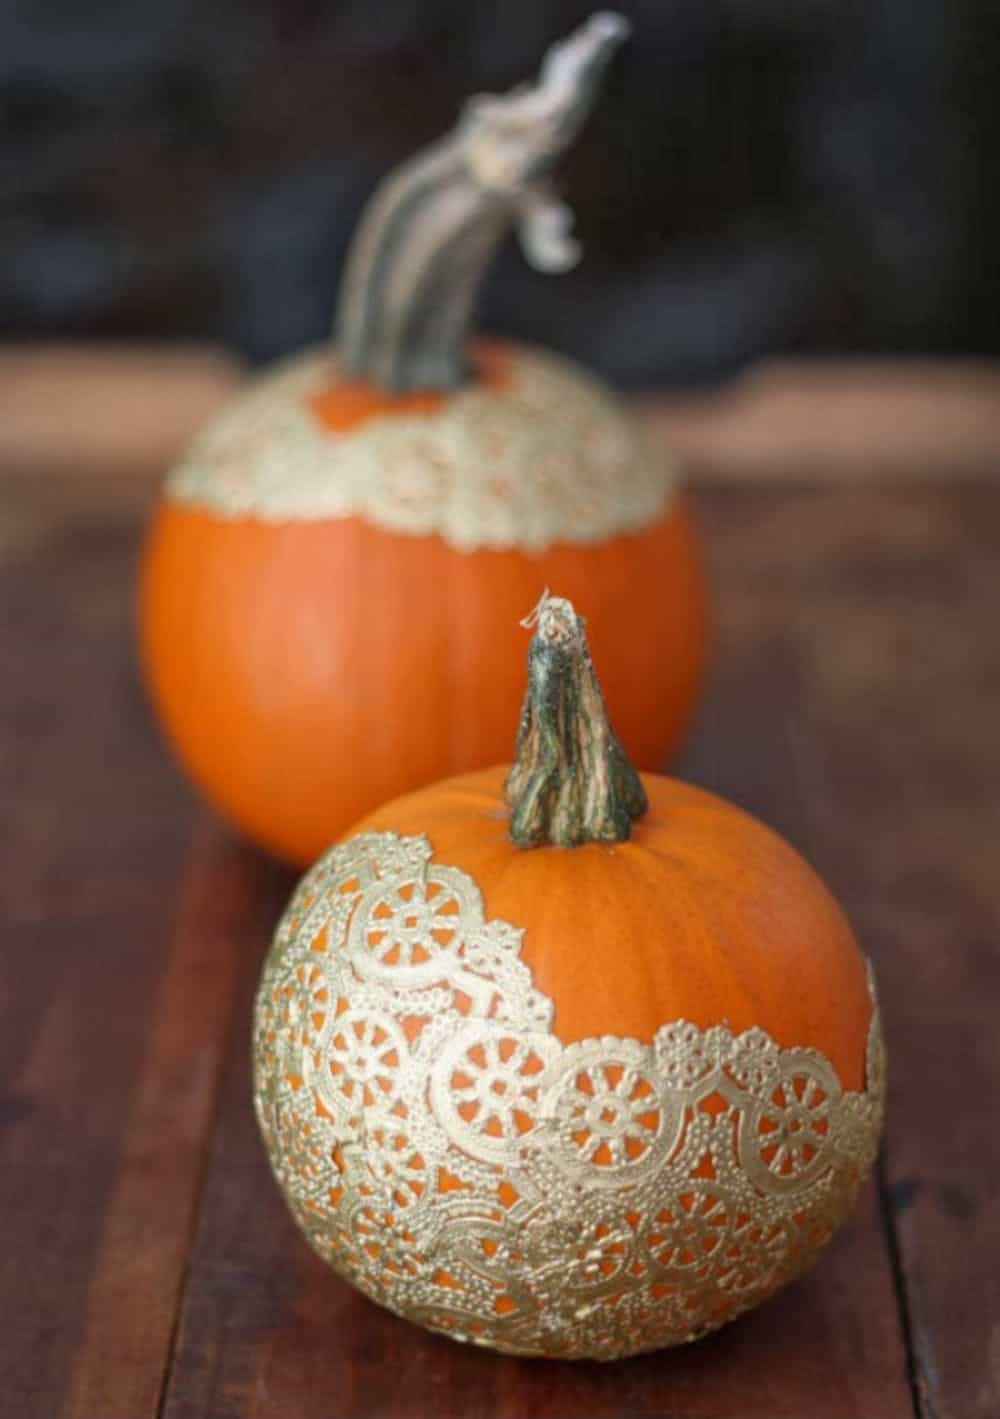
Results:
[426, 237]
[572, 781]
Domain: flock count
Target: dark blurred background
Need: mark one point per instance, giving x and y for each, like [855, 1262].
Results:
[761, 175]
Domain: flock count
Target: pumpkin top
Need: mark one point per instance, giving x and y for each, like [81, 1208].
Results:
[703, 915]
[536, 452]
[506, 449]
[641, 900]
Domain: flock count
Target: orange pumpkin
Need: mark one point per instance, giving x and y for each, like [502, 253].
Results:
[346, 488]
[563, 1059]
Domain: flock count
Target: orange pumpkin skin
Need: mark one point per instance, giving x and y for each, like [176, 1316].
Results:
[703, 915]
[580, 1100]
[307, 670]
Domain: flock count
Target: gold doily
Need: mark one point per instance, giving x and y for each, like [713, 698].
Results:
[550, 457]
[445, 1152]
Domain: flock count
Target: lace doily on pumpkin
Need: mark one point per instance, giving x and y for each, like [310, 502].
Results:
[442, 1150]
[549, 457]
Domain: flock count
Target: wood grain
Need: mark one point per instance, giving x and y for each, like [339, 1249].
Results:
[837, 420]
[906, 692]
[267, 1330]
[126, 408]
[150, 1212]
[87, 409]
[121, 936]
[92, 811]
[893, 600]
[149, 1265]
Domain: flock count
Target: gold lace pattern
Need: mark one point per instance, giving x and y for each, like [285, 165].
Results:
[552, 457]
[445, 1152]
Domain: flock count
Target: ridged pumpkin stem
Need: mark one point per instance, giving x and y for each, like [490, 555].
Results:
[572, 781]
[427, 236]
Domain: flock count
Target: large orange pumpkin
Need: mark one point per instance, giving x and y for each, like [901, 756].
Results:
[563, 1059]
[338, 555]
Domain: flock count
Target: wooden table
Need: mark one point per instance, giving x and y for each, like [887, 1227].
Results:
[150, 1267]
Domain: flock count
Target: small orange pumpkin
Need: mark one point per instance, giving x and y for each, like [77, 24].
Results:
[563, 1059]
[342, 490]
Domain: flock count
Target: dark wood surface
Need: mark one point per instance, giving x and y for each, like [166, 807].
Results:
[149, 1268]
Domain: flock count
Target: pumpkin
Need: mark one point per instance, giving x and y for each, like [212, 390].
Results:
[411, 466]
[563, 1059]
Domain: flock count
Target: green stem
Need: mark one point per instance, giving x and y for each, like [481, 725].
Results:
[427, 236]
[572, 781]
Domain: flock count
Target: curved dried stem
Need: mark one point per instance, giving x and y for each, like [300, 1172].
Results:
[427, 236]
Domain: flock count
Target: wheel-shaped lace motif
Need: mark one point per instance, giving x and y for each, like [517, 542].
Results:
[785, 1136]
[613, 1118]
[687, 1234]
[404, 932]
[358, 1061]
[485, 1089]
